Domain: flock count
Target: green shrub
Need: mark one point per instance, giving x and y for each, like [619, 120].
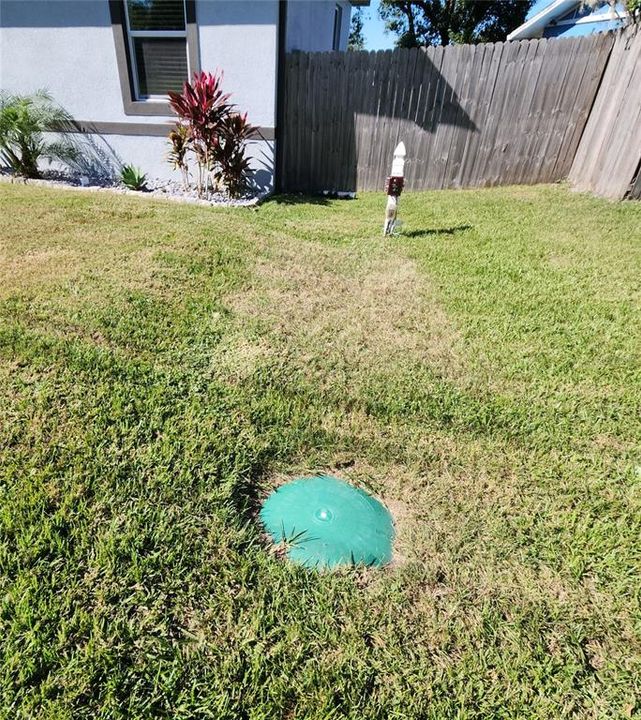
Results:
[133, 178]
[23, 121]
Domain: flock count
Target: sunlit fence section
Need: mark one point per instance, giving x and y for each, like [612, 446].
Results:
[469, 115]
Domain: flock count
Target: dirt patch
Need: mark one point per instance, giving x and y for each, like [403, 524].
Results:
[353, 306]
[561, 262]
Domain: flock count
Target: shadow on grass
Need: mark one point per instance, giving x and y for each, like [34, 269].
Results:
[299, 200]
[436, 231]
[247, 494]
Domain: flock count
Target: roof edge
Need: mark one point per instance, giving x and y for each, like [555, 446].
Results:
[539, 21]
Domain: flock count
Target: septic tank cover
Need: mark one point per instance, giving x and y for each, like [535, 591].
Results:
[325, 522]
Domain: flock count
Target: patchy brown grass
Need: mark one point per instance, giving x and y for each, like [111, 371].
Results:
[357, 307]
[163, 367]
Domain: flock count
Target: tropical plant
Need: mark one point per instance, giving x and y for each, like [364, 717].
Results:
[179, 139]
[24, 120]
[133, 178]
[232, 165]
[212, 129]
[202, 106]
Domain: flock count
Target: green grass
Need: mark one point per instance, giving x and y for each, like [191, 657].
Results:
[163, 366]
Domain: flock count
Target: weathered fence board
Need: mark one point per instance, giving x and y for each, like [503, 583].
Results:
[575, 128]
[469, 115]
[609, 154]
[635, 190]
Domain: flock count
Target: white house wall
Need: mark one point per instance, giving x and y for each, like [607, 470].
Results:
[150, 154]
[310, 24]
[67, 46]
[241, 39]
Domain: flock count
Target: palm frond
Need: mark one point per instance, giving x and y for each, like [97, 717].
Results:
[24, 119]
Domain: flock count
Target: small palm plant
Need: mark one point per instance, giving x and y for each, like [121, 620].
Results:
[24, 120]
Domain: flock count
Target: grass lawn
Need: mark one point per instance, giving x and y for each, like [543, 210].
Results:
[163, 366]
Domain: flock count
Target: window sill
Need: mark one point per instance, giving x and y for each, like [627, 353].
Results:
[159, 108]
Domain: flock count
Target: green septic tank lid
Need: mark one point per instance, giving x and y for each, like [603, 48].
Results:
[326, 522]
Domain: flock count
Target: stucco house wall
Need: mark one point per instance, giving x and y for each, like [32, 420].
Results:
[241, 39]
[67, 47]
[310, 24]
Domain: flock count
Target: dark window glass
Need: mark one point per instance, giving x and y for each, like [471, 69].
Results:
[156, 14]
[161, 64]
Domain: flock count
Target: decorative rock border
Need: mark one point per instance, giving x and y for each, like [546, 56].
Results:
[164, 189]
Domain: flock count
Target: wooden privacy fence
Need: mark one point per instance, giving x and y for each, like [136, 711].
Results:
[470, 115]
[608, 159]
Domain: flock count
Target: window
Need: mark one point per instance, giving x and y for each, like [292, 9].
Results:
[338, 22]
[157, 31]
[587, 13]
[157, 50]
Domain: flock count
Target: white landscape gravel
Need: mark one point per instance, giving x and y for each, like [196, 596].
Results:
[166, 189]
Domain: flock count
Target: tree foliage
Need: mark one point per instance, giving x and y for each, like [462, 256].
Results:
[440, 22]
[356, 39]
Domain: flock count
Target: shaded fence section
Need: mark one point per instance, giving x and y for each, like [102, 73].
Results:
[608, 159]
[470, 115]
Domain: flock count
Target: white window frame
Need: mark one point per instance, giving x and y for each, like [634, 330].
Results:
[131, 34]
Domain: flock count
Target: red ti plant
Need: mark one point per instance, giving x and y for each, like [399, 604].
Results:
[231, 163]
[203, 107]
